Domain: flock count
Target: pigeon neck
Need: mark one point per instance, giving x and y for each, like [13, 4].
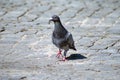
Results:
[58, 26]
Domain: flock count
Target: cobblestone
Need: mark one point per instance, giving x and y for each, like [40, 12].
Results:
[26, 49]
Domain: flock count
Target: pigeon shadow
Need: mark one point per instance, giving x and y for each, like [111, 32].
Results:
[75, 57]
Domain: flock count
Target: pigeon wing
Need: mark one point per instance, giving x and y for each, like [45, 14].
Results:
[70, 41]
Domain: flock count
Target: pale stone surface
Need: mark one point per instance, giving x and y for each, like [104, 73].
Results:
[27, 52]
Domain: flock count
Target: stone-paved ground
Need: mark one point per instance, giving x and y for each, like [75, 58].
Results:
[26, 50]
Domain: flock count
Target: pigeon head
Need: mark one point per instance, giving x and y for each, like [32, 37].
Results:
[55, 18]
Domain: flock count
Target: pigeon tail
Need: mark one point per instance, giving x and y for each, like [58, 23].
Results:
[73, 48]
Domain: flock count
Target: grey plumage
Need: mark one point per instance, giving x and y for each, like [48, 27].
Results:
[61, 37]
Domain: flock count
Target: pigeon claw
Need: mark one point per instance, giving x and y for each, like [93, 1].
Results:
[64, 59]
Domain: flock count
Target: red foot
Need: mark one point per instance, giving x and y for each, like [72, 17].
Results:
[63, 59]
[59, 54]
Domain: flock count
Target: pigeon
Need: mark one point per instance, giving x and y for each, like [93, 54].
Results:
[61, 38]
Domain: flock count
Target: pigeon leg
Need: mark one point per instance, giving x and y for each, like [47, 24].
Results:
[64, 58]
[59, 53]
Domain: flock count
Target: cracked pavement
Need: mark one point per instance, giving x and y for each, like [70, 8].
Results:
[26, 49]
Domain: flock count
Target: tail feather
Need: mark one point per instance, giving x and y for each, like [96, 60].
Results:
[73, 48]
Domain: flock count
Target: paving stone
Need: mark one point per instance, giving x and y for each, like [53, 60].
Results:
[26, 49]
[104, 43]
[110, 50]
[12, 15]
[77, 4]
[28, 18]
[114, 36]
[95, 34]
[92, 21]
[83, 12]
[108, 21]
[105, 4]
[100, 59]
[69, 13]
[60, 2]
[6, 45]
[115, 57]
[102, 12]
[114, 30]
[89, 5]
[114, 14]
[2, 13]
[54, 10]
[87, 41]
[117, 44]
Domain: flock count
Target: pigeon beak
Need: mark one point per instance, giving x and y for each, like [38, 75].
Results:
[50, 20]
